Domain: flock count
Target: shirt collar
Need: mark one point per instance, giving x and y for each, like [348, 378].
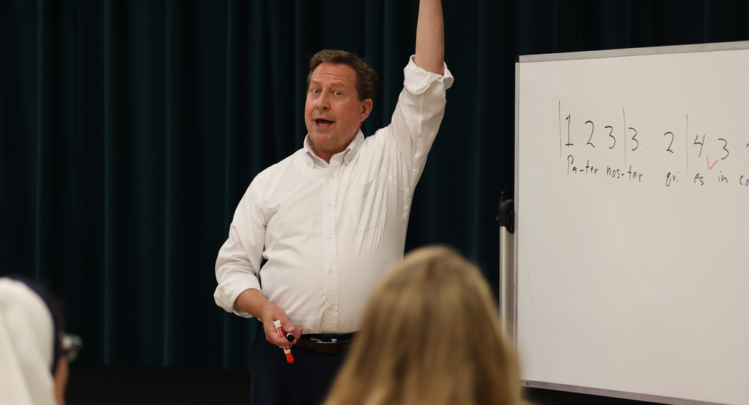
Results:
[348, 153]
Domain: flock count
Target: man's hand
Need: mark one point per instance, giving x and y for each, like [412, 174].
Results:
[253, 302]
[271, 313]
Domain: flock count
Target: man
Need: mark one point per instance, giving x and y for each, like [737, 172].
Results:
[330, 219]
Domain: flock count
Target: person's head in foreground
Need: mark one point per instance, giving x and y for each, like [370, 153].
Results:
[430, 335]
[33, 369]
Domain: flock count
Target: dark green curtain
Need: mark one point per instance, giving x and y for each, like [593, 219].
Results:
[129, 130]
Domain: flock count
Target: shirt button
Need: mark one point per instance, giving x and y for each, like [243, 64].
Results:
[331, 175]
[329, 204]
[330, 270]
[330, 307]
[328, 236]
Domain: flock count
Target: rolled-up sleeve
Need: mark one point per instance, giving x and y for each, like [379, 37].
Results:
[239, 259]
[417, 117]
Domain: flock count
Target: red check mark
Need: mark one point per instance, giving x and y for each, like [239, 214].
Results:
[708, 163]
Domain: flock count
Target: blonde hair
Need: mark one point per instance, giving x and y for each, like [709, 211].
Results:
[430, 335]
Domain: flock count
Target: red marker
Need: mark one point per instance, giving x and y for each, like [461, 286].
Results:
[282, 334]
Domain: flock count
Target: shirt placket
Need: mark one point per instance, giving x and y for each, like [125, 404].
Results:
[330, 257]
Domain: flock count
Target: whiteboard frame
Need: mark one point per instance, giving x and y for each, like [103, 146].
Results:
[711, 47]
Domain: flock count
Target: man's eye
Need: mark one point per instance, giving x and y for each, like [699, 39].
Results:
[314, 91]
[337, 93]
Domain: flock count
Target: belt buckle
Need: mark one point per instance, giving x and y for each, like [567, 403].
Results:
[316, 340]
[321, 347]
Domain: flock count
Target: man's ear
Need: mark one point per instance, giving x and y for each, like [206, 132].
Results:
[366, 109]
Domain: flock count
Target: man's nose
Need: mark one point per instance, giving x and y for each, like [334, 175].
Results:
[323, 103]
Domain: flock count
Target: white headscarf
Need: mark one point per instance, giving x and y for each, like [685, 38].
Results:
[26, 346]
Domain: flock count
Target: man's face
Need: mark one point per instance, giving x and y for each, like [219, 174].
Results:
[333, 112]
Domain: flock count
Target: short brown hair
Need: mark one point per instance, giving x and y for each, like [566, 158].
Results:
[366, 78]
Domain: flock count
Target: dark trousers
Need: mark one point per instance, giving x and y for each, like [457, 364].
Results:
[305, 382]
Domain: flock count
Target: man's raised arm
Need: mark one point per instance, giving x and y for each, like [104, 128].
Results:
[430, 37]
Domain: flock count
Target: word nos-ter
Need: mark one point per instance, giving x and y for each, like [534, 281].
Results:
[630, 175]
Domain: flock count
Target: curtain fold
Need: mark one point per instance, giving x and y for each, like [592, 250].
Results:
[129, 131]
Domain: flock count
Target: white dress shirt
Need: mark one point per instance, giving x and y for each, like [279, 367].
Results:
[329, 232]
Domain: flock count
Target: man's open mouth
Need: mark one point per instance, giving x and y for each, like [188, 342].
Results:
[323, 122]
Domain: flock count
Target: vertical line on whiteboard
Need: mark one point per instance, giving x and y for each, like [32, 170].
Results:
[624, 119]
[560, 128]
[686, 142]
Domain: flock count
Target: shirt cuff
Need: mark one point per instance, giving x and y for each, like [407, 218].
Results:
[417, 80]
[227, 292]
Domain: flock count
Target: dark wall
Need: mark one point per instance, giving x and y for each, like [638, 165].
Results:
[130, 129]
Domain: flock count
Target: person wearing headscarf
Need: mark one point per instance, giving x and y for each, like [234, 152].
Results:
[33, 370]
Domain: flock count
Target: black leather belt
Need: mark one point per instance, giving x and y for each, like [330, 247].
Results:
[325, 344]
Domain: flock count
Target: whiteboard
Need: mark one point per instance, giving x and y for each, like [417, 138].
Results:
[632, 233]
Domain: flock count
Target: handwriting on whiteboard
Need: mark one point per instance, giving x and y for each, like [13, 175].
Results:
[621, 143]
